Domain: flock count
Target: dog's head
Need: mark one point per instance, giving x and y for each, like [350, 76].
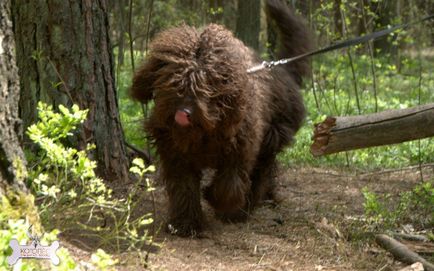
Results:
[197, 79]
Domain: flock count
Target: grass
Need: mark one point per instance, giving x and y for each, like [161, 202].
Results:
[334, 88]
[335, 93]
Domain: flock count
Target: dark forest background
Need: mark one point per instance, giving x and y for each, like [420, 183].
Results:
[70, 133]
[391, 72]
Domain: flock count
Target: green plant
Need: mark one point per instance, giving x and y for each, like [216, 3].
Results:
[63, 176]
[141, 170]
[103, 261]
[415, 206]
[374, 209]
[15, 220]
[17, 229]
[330, 93]
[66, 186]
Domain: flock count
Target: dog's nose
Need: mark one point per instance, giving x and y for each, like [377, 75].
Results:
[182, 117]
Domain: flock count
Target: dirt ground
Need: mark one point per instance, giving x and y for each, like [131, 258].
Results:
[315, 227]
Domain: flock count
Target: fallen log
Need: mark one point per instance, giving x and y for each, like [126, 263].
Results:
[402, 252]
[337, 134]
[421, 248]
[411, 237]
[414, 267]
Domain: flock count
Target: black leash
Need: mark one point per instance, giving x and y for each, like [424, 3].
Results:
[339, 45]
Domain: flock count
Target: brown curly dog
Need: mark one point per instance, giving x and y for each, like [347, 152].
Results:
[210, 113]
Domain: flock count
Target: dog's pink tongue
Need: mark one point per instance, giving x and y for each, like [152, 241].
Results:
[182, 118]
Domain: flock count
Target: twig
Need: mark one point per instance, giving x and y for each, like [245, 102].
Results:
[371, 56]
[130, 33]
[353, 72]
[148, 25]
[145, 107]
[386, 171]
[143, 154]
[66, 91]
[314, 88]
[322, 92]
[419, 102]
[378, 172]
[81, 243]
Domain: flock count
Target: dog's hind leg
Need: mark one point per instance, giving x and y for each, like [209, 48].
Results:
[263, 176]
[278, 135]
[185, 211]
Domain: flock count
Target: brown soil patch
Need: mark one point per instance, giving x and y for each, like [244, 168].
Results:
[313, 228]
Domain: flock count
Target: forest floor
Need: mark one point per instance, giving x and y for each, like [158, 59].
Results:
[317, 226]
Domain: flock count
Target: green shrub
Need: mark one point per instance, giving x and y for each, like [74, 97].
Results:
[415, 207]
[63, 176]
[332, 93]
[71, 197]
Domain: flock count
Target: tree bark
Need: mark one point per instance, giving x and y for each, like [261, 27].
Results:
[401, 252]
[120, 10]
[230, 14]
[337, 134]
[385, 13]
[249, 22]
[337, 19]
[12, 161]
[64, 56]
[215, 5]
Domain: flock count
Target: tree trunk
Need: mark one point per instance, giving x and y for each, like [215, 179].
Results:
[12, 161]
[337, 134]
[385, 13]
[64, 56]
[338, 20]
[215, 15]
[249, 22]
[230, 14]
[120, 9]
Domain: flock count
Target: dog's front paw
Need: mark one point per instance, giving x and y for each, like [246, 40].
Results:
[226, 197]
[184, 228]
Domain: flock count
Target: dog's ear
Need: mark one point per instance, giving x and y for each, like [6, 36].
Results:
[144, 78]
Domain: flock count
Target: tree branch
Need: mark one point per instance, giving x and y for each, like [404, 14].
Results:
[142, 154]
[402, 252]
[337, 134]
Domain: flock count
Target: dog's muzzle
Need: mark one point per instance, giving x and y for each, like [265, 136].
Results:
[182, 117]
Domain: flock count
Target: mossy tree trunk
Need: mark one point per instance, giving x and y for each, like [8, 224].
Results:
[64, 56]
[12, 162]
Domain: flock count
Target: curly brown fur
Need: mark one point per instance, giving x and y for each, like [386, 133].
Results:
[209, 113]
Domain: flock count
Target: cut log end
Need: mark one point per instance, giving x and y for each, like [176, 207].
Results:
[337, 134]
[321, 136]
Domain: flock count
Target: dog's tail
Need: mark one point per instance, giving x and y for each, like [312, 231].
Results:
[295, 38]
